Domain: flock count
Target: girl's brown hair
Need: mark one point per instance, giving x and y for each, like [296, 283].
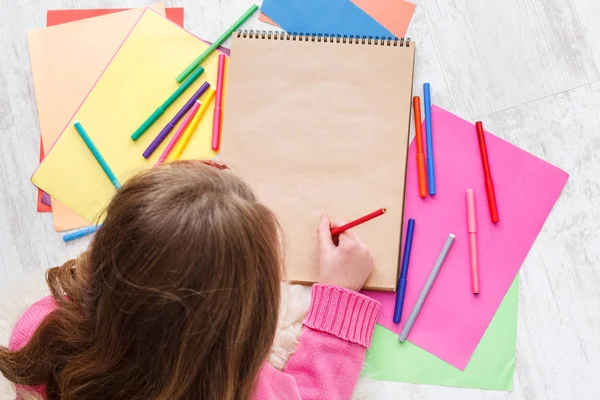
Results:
[176, 298]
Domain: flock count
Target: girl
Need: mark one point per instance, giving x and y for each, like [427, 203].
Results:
[177, 298]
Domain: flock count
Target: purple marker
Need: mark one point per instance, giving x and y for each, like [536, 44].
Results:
[169, 127]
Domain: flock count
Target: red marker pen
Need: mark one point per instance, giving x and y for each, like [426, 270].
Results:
[489, 184]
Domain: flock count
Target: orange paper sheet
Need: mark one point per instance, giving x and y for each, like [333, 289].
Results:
[262, 17]
[64, 69]
[394, 15]
[58, 17]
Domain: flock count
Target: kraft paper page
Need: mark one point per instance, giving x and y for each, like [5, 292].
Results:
[139, 78]
[320, 126]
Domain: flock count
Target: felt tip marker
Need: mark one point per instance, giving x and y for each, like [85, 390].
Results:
[472, 228]
[401, 292]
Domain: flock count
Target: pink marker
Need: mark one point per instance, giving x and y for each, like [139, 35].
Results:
[178, 134]
[472, 241]
[218, 115]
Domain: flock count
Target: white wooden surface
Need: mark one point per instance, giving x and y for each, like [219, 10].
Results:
[530, 69]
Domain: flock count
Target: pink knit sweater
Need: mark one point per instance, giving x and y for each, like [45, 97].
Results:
[326, 364]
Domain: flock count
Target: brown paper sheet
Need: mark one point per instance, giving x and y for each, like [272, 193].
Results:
[321, 126]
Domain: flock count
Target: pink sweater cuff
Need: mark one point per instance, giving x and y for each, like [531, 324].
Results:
[343, 313]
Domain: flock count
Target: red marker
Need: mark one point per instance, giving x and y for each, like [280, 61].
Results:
[218, 114]
[361, 220]
[489, 184]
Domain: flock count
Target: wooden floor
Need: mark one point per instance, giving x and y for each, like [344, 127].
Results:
[529, 69]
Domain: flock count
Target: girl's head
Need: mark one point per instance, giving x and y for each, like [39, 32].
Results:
[176, 298]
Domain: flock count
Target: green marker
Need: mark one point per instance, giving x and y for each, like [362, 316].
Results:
[96, 153]
[186, 72]
[160, 111]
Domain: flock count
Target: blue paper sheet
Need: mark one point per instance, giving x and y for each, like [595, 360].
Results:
[330, 17]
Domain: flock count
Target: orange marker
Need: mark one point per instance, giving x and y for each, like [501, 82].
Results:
[421, 172]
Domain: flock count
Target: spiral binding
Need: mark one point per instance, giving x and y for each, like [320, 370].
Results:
[372, 40]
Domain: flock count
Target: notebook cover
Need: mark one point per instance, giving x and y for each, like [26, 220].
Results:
[323, 126]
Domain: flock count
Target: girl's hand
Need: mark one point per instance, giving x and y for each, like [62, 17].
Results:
[348, 264]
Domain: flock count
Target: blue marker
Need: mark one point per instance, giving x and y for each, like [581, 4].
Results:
[79, 233]
[429, 139]
[404, 273]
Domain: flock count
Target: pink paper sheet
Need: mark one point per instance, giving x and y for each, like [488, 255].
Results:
[453, 320]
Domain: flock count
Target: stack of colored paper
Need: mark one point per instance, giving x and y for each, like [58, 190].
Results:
[109, 69]
[62, 78]
[461, 339]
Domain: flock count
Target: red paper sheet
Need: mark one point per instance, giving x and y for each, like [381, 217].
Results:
[57, 17]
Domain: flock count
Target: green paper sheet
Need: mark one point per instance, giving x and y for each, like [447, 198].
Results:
[491, 367]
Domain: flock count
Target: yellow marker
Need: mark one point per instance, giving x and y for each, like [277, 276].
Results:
[187, 135]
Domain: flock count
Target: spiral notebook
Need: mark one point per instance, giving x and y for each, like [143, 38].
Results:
[321, 123]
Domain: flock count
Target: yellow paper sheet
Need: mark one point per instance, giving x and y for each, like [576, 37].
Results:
[66, 61]
[138, 80]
